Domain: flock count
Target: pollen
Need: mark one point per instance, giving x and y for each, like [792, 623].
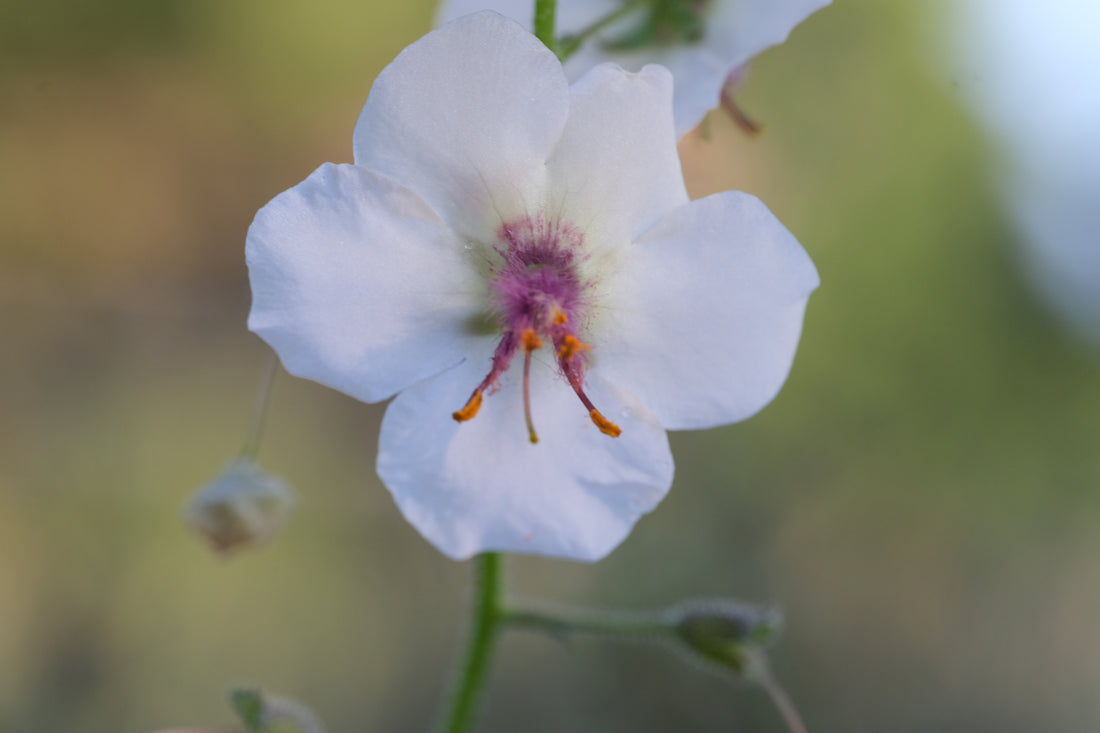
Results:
[471, 408]
[531, 340]
[560, 318]
[571, 346]
[606, 426]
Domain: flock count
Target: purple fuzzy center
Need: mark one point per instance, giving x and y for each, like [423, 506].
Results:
[536, 286]
[538, 277]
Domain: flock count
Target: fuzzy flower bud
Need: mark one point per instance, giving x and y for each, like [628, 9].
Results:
[242, 507]
[263, 712]
[721, 632]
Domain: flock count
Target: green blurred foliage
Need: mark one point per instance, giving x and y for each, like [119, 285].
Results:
[920, 499]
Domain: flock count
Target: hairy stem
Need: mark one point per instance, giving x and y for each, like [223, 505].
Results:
[484, 624]
[545, 14]
[618, 626]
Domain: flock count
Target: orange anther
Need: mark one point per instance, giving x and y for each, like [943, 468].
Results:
[560, 318]
[570, 346]
[471, 408]
[531, 340]
[606, 426]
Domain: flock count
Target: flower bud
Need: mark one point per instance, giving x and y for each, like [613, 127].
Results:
[262, 712]
[242, 507]
[722, 631]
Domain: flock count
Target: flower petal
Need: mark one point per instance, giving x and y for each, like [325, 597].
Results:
[615, 170]
[482, 486]
[466, 117]
[699, 80]
[358, 285]
[704, 317]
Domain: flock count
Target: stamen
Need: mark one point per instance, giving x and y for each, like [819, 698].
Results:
[606, 426]
[570, 346]
[531, 340]
[560, 318]
[501, 358]
[527, 394]
[471, 408]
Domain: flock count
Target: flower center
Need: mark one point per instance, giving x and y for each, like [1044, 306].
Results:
[538, 296]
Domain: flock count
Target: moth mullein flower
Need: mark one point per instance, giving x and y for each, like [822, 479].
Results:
[517, 260]
[700, 41]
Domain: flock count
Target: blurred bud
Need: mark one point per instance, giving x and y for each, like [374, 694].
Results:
[262, 712]
[242, 507]
[722, 632]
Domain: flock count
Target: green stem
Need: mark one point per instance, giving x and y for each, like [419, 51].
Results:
[568, 45]
[259, 413]
[618, 626]
[484, 625]
[545, 13]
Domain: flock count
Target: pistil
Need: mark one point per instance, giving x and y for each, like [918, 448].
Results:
[531, 341]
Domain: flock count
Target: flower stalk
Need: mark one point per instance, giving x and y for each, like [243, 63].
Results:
[259, 413]
[782, 702]
[607, 625]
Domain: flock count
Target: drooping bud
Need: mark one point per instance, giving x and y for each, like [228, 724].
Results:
[242, 507]
[730, 637]
[722, 632]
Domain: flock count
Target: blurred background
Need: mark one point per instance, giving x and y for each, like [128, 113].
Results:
[921, 500]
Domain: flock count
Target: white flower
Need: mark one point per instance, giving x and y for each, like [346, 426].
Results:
[242, 507]
[510, 243]
[715, 38]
